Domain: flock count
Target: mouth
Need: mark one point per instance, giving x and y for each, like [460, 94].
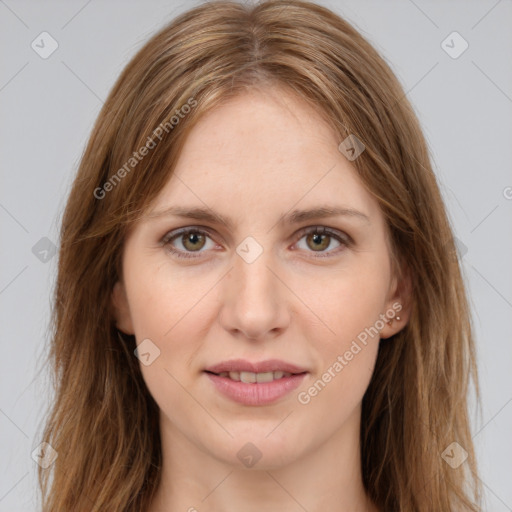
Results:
[255, 383]
[255, 378]
[246, 369]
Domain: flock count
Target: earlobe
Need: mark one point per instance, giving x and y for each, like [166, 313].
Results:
[121, 310]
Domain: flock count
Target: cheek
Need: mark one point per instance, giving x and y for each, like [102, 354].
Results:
[347, 339]
[167, 313]
[163, 298]
[161, 307]
[173, 309]
[350, 307]
[347, 302]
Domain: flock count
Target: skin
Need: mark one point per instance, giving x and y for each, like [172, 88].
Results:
[253, 160]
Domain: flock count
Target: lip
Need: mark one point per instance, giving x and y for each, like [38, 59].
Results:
[261, 393]
[243, 365]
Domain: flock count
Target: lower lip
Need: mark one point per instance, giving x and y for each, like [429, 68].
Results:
[262, 393]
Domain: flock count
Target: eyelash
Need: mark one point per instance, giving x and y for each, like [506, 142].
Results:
[345, 240]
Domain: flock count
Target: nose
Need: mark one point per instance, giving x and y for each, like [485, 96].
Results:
[254, 299]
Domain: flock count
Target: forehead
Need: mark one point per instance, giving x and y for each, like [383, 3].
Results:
[263, 151]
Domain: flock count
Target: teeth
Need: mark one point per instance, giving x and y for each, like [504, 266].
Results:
[265, 377]
[251, 378]
[248, 377]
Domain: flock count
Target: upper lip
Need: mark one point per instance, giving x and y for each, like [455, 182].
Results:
[242, 365]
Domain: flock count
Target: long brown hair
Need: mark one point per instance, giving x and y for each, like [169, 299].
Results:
[103, 422]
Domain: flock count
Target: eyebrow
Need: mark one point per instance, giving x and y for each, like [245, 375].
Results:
[293, 217]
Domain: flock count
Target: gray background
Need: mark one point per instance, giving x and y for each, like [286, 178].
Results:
[48, 107]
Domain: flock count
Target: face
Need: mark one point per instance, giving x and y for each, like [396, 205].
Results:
[266, 284]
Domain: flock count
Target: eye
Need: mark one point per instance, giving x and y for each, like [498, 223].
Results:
[319, 238]
[191, 239]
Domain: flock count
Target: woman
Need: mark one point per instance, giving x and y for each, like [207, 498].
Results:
[259, 304]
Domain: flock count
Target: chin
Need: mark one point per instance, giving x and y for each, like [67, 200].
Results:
[258, 450]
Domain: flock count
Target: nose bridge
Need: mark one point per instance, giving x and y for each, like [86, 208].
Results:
[255, 283]
[253, 300]
[252, 261]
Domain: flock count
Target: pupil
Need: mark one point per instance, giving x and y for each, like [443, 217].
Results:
[192, 239]
[319, 240]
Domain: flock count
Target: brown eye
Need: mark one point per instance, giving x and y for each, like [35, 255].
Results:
[186, 242]
[320, 240]
[190, 242]
[193, 241]
[317, 241]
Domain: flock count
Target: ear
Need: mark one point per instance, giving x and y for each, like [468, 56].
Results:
[398, 305]
[119, 301]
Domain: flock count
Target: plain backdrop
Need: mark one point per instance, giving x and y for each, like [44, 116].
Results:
[463, 97]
